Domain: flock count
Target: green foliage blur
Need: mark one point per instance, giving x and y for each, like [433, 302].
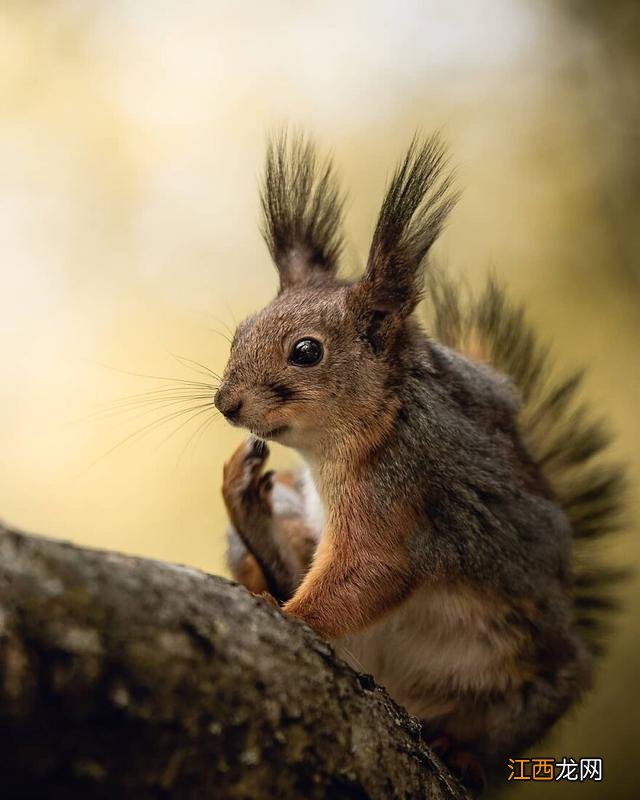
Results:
[131, 141]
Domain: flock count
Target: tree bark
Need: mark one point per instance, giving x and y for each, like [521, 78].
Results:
[123, 677]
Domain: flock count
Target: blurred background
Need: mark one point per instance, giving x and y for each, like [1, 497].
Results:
[131, 142]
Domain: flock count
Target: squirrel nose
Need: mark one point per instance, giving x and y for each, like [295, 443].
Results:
[228, 406]
[233, 412]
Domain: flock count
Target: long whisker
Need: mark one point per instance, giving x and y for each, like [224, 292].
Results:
[233, 318]
[169, 391]
[196, 366]
[144, 407]
[155, 398]
[151, 426]
[154, 377]
[177, 391]
[198, 434]
[198, 413]
[220, 333]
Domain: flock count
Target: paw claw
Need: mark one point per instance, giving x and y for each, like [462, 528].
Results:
[257, 448]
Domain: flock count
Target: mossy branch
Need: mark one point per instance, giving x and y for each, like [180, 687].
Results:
[130, 678]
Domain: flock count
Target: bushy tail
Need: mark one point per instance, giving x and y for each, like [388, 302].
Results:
[560, 433]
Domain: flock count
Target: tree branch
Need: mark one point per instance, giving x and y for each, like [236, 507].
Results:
[130, 678]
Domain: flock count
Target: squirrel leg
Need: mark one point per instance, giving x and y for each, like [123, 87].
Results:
[243, 565]
[348, 586]
[268, 551]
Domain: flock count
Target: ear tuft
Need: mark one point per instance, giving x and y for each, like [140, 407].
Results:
[302, 211]
[413, 213]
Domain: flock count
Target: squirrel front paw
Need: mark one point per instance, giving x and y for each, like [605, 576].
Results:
[246, 489]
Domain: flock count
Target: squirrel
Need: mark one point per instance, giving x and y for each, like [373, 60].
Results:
[436, 534]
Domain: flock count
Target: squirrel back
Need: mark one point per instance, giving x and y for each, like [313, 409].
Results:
[560, 434]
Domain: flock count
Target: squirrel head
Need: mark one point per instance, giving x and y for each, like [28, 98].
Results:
[323, 361]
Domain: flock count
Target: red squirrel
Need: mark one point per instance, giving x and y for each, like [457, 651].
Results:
[448, 481]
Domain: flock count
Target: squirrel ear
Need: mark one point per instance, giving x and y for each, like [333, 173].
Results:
[413, 213]
[301, 212]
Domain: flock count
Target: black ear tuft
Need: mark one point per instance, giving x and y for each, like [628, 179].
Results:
[302, 211]
[413, 213]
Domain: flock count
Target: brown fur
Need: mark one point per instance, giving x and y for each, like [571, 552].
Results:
[249, 497]
[247, 572]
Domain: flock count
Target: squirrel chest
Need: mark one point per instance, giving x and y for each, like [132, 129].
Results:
[444, 640]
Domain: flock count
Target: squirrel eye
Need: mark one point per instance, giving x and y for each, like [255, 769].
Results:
[306, 353]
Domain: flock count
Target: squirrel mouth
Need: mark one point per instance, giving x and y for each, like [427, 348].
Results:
[271, 434]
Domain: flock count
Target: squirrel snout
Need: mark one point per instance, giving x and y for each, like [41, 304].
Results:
[228, 405]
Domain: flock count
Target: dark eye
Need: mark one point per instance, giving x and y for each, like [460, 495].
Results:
[306, 353]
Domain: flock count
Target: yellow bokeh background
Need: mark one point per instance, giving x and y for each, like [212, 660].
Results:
[131, 142]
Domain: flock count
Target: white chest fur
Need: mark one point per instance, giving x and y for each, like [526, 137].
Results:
[314, 511]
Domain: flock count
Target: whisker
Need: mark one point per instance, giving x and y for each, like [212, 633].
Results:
[147, 406]
[178, 391]
[196, 386]
[154, 377]
[178, 399]
[220, 333]
[232, 315]
[198, 413]
[199, 434]
[123, 405]
[196, 366]
[149, 427]
[152, 395]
